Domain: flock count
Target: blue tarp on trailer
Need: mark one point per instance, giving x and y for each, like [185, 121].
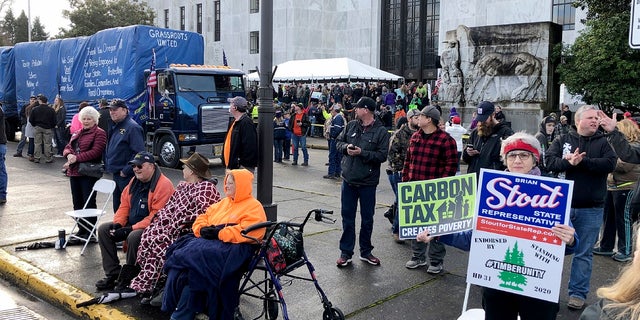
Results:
[109, 64]
[8, 81]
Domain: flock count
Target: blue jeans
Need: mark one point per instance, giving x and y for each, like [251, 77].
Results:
[394, 178]
[23, 140]
[587, 222]
[121, 183]
[349, 197]
[3, 172]
[277, 149]
[335, 158]
[300, 142]
[61, 141]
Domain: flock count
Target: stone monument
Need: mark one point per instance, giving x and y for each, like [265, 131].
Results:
[509, 65]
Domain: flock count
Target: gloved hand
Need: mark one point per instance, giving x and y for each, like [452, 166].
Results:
[210, 233]
[121, 234]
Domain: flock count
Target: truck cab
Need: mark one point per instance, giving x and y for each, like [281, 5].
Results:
[190, 109]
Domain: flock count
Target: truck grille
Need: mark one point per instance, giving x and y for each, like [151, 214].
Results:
[215, 119]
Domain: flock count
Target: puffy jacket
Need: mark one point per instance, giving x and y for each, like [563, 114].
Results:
[363, 169]
[87, 145]
[234, 214]
[160, 191]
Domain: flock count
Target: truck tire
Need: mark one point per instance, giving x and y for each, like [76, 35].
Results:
[169, 152]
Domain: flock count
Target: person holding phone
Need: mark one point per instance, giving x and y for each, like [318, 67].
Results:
[364, 143]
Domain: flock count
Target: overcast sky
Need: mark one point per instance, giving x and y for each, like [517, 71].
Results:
[49, 11]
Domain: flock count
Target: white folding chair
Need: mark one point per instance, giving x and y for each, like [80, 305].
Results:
[104, 186]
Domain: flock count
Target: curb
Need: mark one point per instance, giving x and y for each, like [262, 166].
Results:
[53, 289]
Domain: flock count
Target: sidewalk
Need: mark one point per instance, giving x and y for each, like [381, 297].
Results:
[39, 195]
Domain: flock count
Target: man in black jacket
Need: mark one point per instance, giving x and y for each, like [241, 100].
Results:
[584, 156]
[43, 120]
[241, 145]
[483, 150]
[365, 144]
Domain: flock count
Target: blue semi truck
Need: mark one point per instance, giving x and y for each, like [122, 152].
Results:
[186, 107]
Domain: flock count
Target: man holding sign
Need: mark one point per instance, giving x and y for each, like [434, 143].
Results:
[432, 154]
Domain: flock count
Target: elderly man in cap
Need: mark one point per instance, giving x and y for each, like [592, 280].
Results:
[141, 199]
[432, 154]
[241, 144]
[364, 143]
[125, 140]
[483, 150]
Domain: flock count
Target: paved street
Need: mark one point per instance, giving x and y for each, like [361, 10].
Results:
[39, 195]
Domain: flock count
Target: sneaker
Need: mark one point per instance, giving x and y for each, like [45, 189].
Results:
[329, 176]
[305, 164]
[415, 262]
[343, 261]
[435, 269]
[622, 257]
[18, 155]
[108, 283]
[295, 163]
[601, 252]
[48, 161]
[575, 303]
[396, 238]
[371, 259]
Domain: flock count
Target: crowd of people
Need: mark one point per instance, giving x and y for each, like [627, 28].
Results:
[169, 231]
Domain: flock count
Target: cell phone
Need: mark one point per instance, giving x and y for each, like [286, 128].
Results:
[352, 147]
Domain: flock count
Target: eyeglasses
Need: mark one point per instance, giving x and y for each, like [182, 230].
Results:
[524, 156]
[136, 166]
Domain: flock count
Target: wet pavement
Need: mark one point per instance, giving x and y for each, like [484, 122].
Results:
[39, 195]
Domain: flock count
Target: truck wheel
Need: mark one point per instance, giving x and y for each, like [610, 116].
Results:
[169, 152]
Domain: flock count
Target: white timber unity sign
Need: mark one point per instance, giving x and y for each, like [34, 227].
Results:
[634, 25]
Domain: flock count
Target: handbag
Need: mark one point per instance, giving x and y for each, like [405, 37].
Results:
[91, 169]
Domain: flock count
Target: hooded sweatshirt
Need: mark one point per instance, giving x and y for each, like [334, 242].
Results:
[234, 214]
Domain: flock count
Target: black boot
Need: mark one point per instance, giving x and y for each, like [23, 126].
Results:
[127, 273]
[391, 213]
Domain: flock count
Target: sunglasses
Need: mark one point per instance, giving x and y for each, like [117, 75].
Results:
[136, 166]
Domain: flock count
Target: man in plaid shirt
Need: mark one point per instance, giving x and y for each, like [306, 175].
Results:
[432, 154]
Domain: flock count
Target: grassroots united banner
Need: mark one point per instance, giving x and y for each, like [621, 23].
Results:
[441, 206]
[513, 248]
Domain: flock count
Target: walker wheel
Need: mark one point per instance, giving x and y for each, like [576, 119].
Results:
[271, 306]
[332, 314]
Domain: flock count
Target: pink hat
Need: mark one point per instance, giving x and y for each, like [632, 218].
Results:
[455, 120]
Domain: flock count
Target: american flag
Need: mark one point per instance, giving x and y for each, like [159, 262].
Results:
[152, 82]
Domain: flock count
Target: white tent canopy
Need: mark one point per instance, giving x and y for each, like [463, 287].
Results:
[336, 69]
